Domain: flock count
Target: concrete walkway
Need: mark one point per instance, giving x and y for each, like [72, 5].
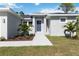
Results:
[39, 40]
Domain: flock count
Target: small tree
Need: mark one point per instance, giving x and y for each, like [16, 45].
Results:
[24, 29]
[70, 27]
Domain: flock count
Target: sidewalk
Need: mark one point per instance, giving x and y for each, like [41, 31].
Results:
[39, 40]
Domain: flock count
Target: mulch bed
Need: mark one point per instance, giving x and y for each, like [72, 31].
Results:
[22, 38]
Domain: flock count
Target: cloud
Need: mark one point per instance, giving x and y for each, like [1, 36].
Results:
[56, 10]
[36, 4]
[51, 10]
[7, 4]
[77, 8]
[11, 5]
[2, 4]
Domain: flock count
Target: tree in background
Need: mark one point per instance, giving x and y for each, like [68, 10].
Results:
[67, 7]
[21, 13]
[17, 12]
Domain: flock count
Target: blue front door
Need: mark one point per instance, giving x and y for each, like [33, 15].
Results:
[38, 25]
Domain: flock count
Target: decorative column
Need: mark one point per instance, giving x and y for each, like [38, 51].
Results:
[27, 23]
[44, 25]
[33, 25]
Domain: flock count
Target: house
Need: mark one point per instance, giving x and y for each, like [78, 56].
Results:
[47, 24]
[50, 24]
[9, 22]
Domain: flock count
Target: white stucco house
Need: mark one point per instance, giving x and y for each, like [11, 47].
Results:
[47, 24]
[9, 22]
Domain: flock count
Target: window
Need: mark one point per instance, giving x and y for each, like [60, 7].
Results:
[3, 20]
[63, 19]
[30, 23]
[38, 22]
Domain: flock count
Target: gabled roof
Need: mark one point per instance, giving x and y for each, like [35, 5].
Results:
[10, 11]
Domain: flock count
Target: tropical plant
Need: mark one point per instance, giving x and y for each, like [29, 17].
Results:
[70, 27]
[67, 7]
[24, 29]
[2, 39]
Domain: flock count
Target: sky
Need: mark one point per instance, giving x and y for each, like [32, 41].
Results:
[34, 8]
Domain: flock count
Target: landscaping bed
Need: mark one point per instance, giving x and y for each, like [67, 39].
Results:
[22, 38]
[19, 38]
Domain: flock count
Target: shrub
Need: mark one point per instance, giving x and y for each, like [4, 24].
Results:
[2, 39]
[24, 29]
[70, 28]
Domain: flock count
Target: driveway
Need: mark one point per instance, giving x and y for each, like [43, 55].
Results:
[39, 40]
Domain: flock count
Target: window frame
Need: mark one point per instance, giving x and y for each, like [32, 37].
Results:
[64, 18]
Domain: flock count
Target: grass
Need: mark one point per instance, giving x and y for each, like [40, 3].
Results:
[64, 46]
[61, 46]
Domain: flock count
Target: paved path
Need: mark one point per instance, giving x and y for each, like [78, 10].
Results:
[39, 40]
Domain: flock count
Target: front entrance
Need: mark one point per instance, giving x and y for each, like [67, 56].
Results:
[38, 26]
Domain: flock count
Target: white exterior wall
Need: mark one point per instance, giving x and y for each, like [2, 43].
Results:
[33, 24]
[13, 24]
[44, 26]
[8, 24]
[57, 27]
[3, 25]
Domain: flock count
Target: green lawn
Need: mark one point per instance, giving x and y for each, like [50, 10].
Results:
[62, 46]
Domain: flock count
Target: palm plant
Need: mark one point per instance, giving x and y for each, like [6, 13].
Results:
[70, 27]
[24, 29]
